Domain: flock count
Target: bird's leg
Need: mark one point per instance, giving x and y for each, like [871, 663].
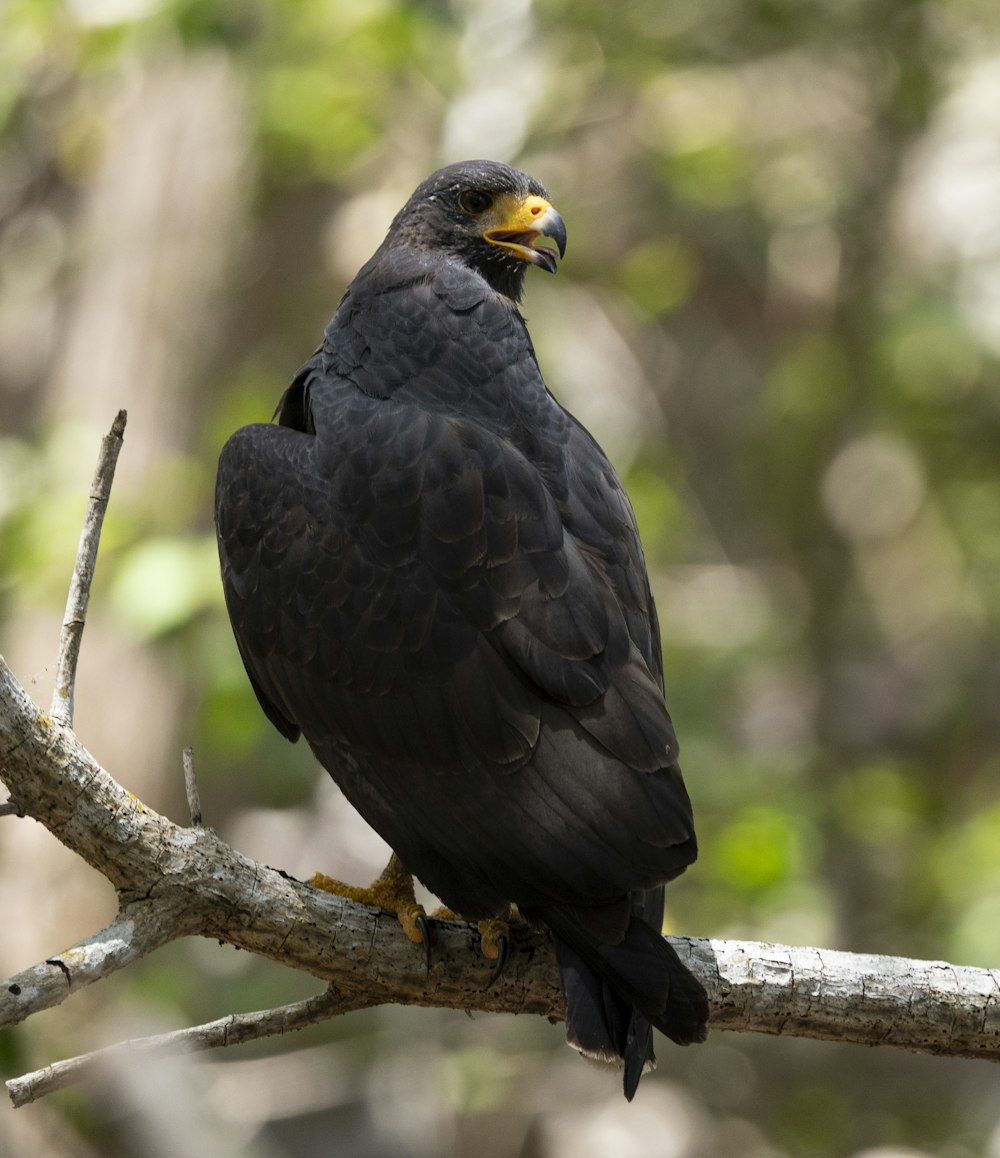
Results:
[393, 891]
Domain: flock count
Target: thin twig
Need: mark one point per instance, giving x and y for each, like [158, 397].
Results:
[83, 573]
[235, 1029]
[11, 808]
[191, 788]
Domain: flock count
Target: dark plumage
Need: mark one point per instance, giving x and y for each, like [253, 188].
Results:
[434, 575]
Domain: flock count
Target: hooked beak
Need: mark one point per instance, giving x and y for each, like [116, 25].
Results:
[526, 222]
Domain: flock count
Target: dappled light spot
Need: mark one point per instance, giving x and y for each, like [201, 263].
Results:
[874, 487]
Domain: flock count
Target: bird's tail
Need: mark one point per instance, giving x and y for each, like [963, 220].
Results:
[618, 987]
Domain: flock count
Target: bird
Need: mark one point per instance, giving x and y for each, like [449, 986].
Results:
[434, 575]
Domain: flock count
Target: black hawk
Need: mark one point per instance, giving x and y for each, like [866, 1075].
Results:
[434, 575]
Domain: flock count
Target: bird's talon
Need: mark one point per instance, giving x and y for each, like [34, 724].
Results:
[425, 936]
[501, 961]
[410, 918]
[494, 940]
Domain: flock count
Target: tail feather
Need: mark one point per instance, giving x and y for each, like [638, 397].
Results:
[616, 993]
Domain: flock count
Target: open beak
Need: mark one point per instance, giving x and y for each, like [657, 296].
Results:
[525, 224]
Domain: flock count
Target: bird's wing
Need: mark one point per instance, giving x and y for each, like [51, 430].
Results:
[419, 552]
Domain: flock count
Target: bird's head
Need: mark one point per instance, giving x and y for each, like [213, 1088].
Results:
[488, 216]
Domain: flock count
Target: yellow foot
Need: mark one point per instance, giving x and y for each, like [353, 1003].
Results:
[393, 892]
[494, 936]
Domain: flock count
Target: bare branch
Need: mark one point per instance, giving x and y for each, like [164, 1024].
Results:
[191, 788]
[83, 572]
[236, 1029]
[137, 930]
[922, 1006]
[10, 808]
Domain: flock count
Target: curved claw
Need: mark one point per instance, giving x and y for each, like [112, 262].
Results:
[425, 936]
[498, 968]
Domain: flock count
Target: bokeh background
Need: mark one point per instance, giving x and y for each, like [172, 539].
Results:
[779, 313]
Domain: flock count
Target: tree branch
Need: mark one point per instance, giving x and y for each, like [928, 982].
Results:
[177, 881]
[75, 616]
[236, 1029]
[191, 788]
[174, 881]
[136, 931]
[922, 1006]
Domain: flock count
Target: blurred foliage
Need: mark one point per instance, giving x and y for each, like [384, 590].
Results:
[784, 234]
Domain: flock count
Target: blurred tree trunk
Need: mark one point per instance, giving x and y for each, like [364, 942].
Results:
[159, 232]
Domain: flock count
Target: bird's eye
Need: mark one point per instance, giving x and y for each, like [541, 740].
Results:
[474, 201]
